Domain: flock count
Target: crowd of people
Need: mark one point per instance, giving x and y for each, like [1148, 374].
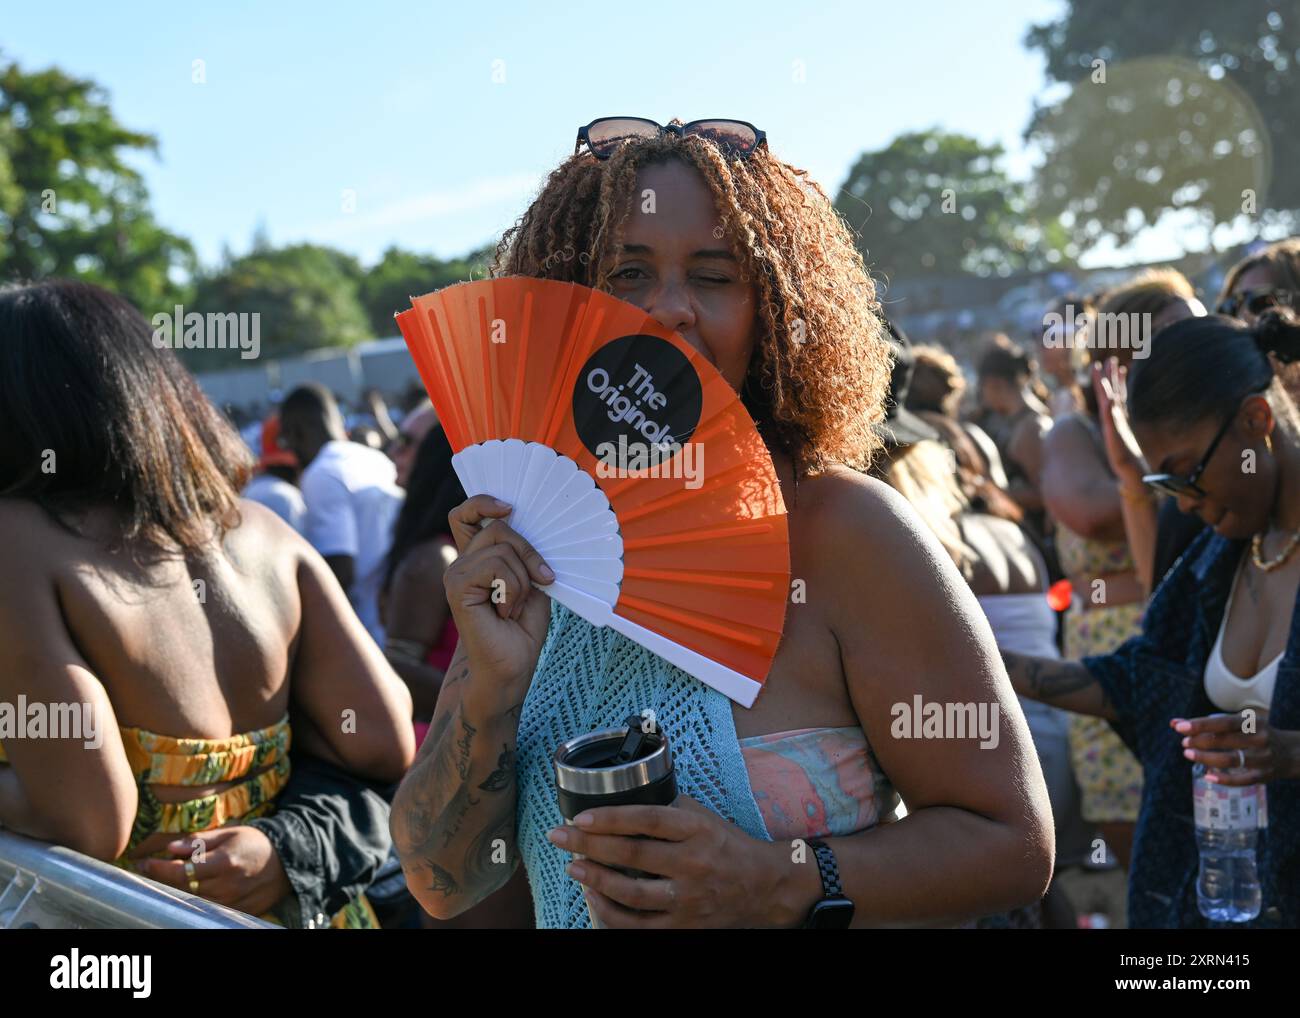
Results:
[1072, 516]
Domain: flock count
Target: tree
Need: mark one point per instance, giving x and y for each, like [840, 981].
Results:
[1174, 105]
[69, 205]
[937, 202]
[400, 275]
[306, 295]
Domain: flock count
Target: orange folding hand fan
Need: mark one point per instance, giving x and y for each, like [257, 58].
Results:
[632, 466]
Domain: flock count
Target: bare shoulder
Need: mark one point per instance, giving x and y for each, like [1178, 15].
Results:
[874, 554]
[1033, 429]
[32, 539]
[262, 527]
[18, 516]
[904, 618]
[871, 550]
[1070, 432]
[1072, 444]
[844, 511]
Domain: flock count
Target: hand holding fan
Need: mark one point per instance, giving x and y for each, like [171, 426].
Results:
[632, 466]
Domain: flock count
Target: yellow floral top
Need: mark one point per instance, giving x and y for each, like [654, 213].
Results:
[165, 760]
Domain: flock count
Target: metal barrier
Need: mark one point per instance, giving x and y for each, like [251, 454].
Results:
[43, 886]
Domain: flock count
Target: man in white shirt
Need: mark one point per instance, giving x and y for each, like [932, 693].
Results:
[351, 494]
[275, 484]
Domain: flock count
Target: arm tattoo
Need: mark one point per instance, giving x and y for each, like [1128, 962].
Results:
[462, 761]
[442, 881]
[481, 868]
[1066, 684]
[454, 676]
[439, 818]
[504, 774]
[1047, 679]
[460, 804]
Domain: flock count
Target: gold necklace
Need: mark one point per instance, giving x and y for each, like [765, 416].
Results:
[1257, 542]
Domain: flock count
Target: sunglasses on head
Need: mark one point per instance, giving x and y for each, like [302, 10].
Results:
[736, 138]
[1178, 484]
[1254, 301]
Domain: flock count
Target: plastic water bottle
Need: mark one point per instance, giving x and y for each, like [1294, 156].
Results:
[1228, 822]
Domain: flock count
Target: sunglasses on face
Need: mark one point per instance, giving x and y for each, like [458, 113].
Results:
[1255, 301]
[735, 138]
[1177, 484]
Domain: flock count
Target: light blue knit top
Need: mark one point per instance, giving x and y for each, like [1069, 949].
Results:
[589, 678]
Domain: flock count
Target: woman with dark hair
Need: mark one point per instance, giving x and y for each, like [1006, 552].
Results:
[420, 634]
[137, 583]
[1063, 353]
[934, 393]
[1221, 633]
[1090, 507]
[746, 259]
[1267, 279]
[1270, 278]
[1006, 387]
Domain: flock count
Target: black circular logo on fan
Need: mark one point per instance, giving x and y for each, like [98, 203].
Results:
[636, 392]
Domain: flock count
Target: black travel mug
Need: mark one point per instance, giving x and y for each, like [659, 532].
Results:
[632, 765]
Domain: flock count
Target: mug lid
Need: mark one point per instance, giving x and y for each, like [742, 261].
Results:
[590, 764]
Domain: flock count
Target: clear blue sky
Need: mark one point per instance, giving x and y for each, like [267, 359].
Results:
[396, 101]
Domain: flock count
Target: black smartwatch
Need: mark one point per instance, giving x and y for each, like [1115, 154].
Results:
[834, 911]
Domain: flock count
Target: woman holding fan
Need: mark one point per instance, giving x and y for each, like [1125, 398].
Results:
[744, 257]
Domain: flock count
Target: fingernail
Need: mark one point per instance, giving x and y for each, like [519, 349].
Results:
[558, 836]
[548, 574]
[1187, 741]
[1183, 726]
[1190, 754]
[584, 820]
[577, 871]
[499, 504]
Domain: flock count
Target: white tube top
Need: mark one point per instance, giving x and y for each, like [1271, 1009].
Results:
[1230, 692]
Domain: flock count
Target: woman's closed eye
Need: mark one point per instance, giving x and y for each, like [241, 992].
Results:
[708, 279]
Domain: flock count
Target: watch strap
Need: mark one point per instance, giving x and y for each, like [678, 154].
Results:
[828, 868]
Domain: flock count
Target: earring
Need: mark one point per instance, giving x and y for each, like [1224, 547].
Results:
[1268, 444]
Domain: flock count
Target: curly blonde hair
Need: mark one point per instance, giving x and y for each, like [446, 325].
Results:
[819, 373]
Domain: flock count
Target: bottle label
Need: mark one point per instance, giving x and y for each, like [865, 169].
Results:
[1227, 808]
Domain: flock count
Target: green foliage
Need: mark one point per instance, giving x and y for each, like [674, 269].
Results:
[1198, 105]
[938, 202]
[400, 275]
[69, 204]
[307, 296]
